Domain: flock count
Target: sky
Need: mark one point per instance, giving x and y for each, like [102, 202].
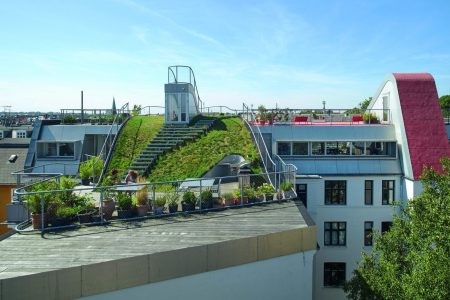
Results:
[292, 54]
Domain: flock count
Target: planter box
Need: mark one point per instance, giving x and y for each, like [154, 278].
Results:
[85, 216]
[173, 208]
[125, 214]
[187, 207]
[58, 222]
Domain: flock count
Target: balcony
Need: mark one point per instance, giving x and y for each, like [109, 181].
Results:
[320, 117]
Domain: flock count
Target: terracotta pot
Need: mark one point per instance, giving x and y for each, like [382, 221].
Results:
[142, 210]
[37, 220]
[108, 208]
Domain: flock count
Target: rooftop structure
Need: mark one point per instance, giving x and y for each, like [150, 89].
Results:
[95, 260]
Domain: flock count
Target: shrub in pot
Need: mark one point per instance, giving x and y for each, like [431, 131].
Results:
[267, 190]
[189, 201]
[206, 199]
[229, 199]
[124, 205]
[108, 204]
[64, 215]
[34, 202]
[160, 203]
[141, 201]
[251, 194]
[172, 202]
[85, 172]
[286, 187]
[244, 197]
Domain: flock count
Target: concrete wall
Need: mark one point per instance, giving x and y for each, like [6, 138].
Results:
[5, 198]
[286, 277]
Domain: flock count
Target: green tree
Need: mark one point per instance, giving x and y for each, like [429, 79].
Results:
[412, 259]
[362, 106]
[444, 101]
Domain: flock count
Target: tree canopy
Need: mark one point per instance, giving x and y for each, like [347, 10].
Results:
[412, 259]
[362, 106]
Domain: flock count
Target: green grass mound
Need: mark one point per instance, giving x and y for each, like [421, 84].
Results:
[135, 136]
[228, 136]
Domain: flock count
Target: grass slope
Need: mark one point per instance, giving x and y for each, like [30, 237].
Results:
[135, 136]
[228, 136]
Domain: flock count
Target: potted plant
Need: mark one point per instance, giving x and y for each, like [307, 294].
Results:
[262, 114]
[85, 215]
[64, 216]
[124, 205]
[172, 202]
[141, 201]
[267, 190]
[270, 116]
[85, 172]
[34, 202]
[229, 199]
[189, 201]
[206, 199]
[241, 198]
[286, 187]
[108, 204]
[251, 194]
[160, 202]
[370, 118]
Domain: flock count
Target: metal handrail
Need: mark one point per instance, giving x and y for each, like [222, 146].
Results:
[191, 73]
[207, 109]
[258, 138]
[149, 107]
[22, 191]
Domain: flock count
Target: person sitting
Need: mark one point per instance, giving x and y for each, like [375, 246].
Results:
[131, 177]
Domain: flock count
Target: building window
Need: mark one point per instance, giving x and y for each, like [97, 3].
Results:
[21, 134]
[385, 226]
[368, 228]
[66, 150]
[387, 193]
[335, 192]
[317, 148]
[333, 274]
[302, 193]
[299, 148]
[335, 233]
[338, 148]
[358, 148]
[284, 148]
[1, 134]
[368, 192]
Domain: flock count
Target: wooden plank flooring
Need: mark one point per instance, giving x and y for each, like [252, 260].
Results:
[23, 254]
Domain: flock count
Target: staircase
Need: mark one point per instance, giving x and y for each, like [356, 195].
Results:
[169, 137]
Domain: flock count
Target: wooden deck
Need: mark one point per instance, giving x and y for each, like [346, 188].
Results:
[24, 254]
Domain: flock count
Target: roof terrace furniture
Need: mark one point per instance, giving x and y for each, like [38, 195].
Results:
[300, 119]
[357, 118]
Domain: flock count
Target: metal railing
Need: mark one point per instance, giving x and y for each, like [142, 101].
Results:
[220, 187]
[248, 116]
[176, 79]
[323, 116]
[220, 109]
[94, 115]
[150, 110]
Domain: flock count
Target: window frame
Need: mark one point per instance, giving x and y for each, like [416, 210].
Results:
[337, 230]
[383, 226]
[329, 279]
[43, 149]
[331, 191]
[385, 191]
[304, 193]
[368, 233]
[366, 190]
[21, 134]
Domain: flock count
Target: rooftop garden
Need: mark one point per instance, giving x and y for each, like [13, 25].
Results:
[228, 136]
[135, 136]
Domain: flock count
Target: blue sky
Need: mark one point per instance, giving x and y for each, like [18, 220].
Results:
[293, 53]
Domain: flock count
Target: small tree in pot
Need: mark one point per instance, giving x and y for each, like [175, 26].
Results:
[172, 202]
[141, 201]
[206, 199]
[267, 190]
[160, 203]
[34, 202]
[125, 205]
[189, 201]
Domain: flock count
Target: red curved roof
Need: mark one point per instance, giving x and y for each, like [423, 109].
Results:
[422, 117]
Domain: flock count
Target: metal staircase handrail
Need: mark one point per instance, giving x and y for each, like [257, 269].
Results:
[114, 123]
[198, 101]
[260, 144]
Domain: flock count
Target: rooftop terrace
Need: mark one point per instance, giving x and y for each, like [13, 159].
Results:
[93, 260]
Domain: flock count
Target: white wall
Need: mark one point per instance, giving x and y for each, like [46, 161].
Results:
[355, 213]
[286, 277]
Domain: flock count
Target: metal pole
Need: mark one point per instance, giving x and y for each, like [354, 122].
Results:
[242, 190]
[200, 194]
[82, 109]
[101, 207]
[42, 212]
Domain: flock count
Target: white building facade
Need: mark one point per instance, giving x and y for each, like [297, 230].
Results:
[349, 172]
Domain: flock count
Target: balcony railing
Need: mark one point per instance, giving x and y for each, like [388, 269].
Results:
[221, 188]
[321, 117]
